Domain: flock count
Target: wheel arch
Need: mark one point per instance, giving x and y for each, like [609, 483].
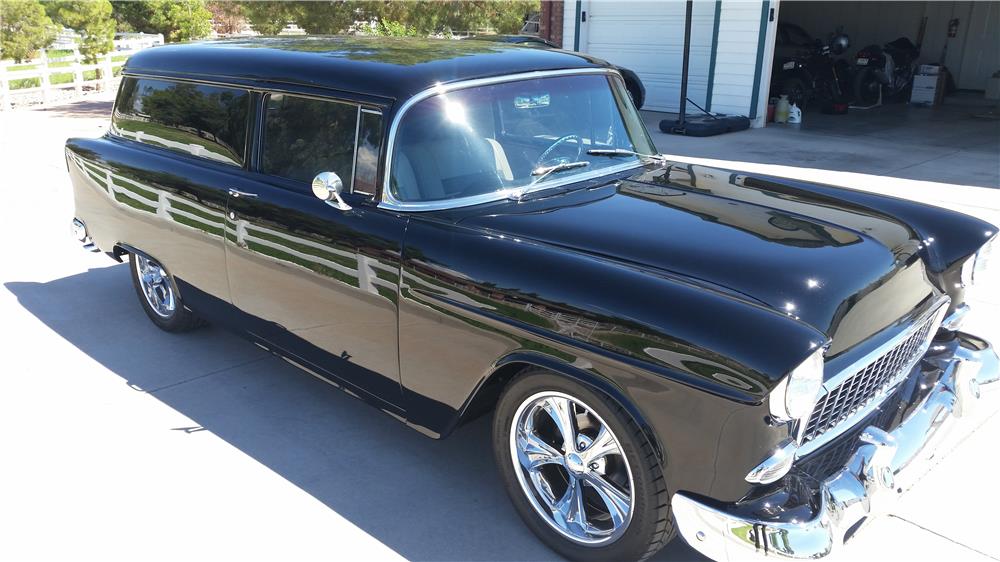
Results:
[120, 249]
[505, 370]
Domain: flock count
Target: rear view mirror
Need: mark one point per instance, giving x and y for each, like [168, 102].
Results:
[532, 101]
[328, 187]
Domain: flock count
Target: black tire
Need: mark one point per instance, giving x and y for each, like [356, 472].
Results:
[651, 524]
[866, 87]
[180, 318]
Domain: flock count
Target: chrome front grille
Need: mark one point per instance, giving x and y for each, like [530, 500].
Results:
[872, 381]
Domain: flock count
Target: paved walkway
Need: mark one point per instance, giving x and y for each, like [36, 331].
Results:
[121, 442]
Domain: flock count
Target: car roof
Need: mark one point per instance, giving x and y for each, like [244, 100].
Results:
[387, 67]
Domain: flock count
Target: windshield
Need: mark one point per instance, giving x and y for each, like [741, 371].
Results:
[513, 135]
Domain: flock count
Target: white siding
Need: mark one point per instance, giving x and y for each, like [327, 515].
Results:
[736, 57]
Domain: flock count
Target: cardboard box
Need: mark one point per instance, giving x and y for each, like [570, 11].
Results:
[928, 89]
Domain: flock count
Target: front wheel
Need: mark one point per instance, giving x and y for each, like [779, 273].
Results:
[581, 474]
[158, 296]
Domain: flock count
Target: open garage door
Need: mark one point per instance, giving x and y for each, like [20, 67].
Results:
[962, 36]
[648, 38]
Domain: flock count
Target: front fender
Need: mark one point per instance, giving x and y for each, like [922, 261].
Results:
[688, 361]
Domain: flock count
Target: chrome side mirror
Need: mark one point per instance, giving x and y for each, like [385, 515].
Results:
[328, 186]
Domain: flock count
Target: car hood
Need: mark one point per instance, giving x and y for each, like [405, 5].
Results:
[843, 268]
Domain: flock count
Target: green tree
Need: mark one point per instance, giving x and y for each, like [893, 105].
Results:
[91, 19]
[502, 16]
[177, 20]
[24, 28]
[227, 16]
[326, 18]
[268, 17]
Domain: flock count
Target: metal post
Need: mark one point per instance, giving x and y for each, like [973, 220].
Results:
[684, 69]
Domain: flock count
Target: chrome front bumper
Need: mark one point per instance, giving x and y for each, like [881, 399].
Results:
[882, 466]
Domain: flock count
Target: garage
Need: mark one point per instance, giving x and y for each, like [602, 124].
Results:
[738, 47]
[738, 53]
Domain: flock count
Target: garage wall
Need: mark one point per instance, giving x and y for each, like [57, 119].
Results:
[971, 56]
[737, 55]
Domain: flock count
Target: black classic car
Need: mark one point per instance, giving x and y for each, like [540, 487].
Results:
[449, 228]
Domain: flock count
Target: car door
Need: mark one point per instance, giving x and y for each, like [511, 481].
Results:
[183, 144]
[318, 282]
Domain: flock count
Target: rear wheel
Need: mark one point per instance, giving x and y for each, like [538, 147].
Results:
[579, 471]
[158, 296]
[867, 87]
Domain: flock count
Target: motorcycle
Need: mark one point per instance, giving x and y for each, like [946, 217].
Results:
[886, 70]
[817, 75]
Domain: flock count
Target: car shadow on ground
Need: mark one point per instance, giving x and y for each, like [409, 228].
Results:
[425, 499]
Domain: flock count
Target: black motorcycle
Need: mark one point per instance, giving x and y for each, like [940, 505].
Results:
[816, 74]
[886, 70]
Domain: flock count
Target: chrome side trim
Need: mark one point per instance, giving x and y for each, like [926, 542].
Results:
[389, 202]
[938, 309]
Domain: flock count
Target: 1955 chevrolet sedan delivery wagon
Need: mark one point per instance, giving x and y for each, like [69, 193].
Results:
[445, 229]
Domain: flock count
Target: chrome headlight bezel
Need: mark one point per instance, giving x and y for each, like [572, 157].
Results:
[795, 396]
[974, 268]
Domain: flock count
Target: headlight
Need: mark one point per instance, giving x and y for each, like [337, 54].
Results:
[796, 395]
[974, 268]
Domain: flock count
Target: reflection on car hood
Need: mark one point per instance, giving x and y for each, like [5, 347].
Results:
[844, 269]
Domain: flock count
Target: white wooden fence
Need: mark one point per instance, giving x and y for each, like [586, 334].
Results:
[43, 71]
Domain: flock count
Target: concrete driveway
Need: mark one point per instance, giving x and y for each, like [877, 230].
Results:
[121, 442]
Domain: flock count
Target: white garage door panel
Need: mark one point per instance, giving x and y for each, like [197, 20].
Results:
[648, 38]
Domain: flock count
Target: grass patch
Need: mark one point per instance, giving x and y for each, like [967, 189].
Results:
[23, 83]
[61, 78]
[17, 67]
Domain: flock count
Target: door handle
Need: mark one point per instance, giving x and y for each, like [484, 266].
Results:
[238, 193]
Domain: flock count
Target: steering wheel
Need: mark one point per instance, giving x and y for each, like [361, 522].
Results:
[544, 159]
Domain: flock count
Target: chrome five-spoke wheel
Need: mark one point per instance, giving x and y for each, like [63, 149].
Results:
[572, 468]
[158, 295]
[155, 286]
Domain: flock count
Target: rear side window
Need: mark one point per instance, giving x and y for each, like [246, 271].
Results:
[206, 121]
[304, 136]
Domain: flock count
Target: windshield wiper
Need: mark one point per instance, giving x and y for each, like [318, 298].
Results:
[543, 172]
[623, 152]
